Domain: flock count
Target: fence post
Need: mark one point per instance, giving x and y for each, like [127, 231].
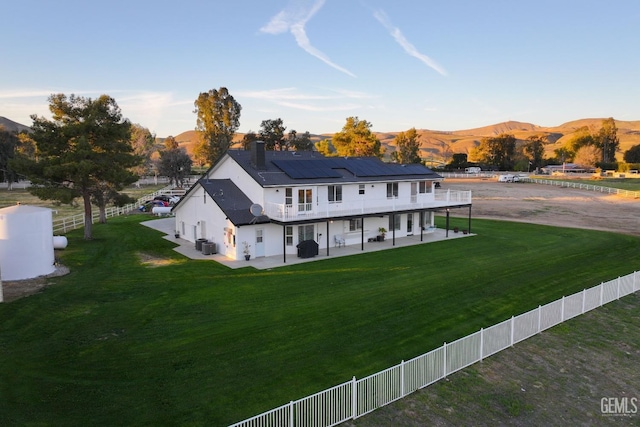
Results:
[635, 282]
[354, 398]
[402, 378]
[601, 292]
[539, 317]
[444, 359]
[512, 328]
[584, 292]
[481, 342]
[291, 420]
[562, 310]
[618, 289]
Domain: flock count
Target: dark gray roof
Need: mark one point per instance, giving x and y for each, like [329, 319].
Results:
[310, 167]
[232, 201]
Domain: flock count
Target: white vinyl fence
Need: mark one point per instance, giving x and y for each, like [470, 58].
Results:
[582, 186]
[356, 398]
[62, 225]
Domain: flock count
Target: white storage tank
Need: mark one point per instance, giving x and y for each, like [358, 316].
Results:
[26, 242]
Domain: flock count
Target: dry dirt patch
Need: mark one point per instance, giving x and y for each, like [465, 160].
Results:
[549, 205]
[153, 261]
[15, 289]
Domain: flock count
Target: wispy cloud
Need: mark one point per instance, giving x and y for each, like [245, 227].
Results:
[408, 47]
[293, 19]
[331, 100]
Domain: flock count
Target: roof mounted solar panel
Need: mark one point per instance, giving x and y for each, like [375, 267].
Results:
[306, 168]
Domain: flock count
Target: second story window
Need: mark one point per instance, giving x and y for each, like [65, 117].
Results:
[335, 193]
[425, 187]
[392, 190]
[288, 196]
[361, 189]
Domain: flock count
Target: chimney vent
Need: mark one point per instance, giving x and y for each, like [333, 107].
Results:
[257, 155]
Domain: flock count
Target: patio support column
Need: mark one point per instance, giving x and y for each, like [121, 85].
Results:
[362, 234]
[469, 219]
[393, 235]
[421, 223]
[327, 237]
[447, 225]
[284, 243]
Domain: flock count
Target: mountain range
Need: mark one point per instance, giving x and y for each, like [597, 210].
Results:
[435, 144]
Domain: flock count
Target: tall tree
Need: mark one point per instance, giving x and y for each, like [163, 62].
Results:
[533, 149]
[299, 142]
[356, 139]
[143, 143]
[272, 133]
[86, 145]
[170, 143]
[497, 151]
[218, 119]
[458, 161]
[9, 143]
[201, 151]
[407, 147]
[607, 140]
[325, 147]
[248, 138]
[176, 165]
[587, 156]
[632, 155]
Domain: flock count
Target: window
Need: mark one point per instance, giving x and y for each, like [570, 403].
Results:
[355, 224]
[335, 193]
[305, 199]
[289, 235]
[361, 189]
[425, 187]
[394, 222]
[288, 196]
[392, 190]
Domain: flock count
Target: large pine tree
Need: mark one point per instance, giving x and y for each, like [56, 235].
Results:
[84, 151]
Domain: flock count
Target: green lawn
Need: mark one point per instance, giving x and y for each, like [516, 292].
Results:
[195, 343]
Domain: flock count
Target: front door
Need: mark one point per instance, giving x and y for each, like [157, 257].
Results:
[409, 223]
[259, 242]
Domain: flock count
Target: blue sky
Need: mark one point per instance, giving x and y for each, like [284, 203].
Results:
[440, 65]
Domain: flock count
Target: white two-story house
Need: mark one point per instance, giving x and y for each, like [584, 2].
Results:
[270, 201]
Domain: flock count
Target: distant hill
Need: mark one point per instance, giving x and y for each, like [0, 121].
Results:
[12, 126]
[433, 143]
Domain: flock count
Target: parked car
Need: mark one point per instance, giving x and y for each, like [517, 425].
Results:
[171, 200]
[149, 205]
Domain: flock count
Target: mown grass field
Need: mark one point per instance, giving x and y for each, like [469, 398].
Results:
[117, 342]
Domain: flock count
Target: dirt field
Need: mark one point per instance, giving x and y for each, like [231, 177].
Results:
[549, 205]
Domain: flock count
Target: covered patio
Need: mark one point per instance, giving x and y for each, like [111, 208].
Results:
[186, 248]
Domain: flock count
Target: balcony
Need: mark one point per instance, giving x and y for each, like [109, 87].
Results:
[296, 212]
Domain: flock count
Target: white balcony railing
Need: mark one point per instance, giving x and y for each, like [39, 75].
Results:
[441, 199]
